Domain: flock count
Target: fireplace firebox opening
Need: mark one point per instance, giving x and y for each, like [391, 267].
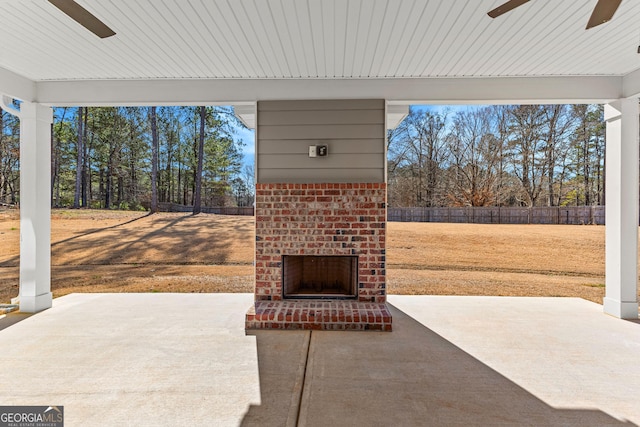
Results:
[312, 276]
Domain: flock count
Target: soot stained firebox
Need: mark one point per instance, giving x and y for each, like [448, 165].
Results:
[322, 277]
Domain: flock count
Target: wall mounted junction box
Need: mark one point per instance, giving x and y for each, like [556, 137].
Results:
[318, 150]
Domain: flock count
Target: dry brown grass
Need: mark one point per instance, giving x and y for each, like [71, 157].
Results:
[104, 251]
[112, 251]
[516, 260]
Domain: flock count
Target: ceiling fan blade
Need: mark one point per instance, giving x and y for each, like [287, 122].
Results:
[83, 17]
[506, 7]
[603, 12]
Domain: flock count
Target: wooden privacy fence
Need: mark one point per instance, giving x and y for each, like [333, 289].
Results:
[574, 215]
[220, 210]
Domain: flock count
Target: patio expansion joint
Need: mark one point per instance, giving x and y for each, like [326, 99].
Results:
[304, 378]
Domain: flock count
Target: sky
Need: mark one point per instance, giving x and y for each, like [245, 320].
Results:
[442, 108]
[247, 136]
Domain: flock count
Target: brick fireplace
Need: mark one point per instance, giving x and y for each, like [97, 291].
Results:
[320, 246]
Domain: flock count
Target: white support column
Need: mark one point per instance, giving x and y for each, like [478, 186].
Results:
[621, 251]
[35, 207]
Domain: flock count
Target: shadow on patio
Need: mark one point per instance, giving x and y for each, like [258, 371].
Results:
[410, 377]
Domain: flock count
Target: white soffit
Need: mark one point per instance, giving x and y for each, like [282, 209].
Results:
[196, 41]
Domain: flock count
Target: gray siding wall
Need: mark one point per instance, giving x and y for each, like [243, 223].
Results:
[354, 130]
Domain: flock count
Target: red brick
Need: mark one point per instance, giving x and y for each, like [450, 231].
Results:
[288, 225]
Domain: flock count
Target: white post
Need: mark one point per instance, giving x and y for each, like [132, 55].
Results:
[621, 250]
[35, 207]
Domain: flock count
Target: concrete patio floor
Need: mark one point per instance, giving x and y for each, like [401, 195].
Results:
[185, 359]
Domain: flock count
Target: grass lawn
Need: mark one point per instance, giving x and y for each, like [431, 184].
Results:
[113, 251]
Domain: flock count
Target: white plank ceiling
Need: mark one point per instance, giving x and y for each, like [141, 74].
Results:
[293, 39]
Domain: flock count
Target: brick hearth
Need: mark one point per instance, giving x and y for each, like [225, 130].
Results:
[319, 315]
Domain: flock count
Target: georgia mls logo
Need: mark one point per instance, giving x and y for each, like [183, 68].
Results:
[31, 416]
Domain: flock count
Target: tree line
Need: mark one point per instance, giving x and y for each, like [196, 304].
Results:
[136, 157]
[506, 155]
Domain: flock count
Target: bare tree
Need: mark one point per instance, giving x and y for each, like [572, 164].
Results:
[416, 153]
[500, 130]
[558, 123]
[527, 155]
[9, 158]
[475, 156]
[588, 144]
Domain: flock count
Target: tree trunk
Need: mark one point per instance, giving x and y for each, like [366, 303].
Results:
[585, 171]
[120, 192]
[197, 208]
[108, 188]
[101, 185]
[79, 160]
[53, 163]
[86, 182]
[88, 171]
[154, 161]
